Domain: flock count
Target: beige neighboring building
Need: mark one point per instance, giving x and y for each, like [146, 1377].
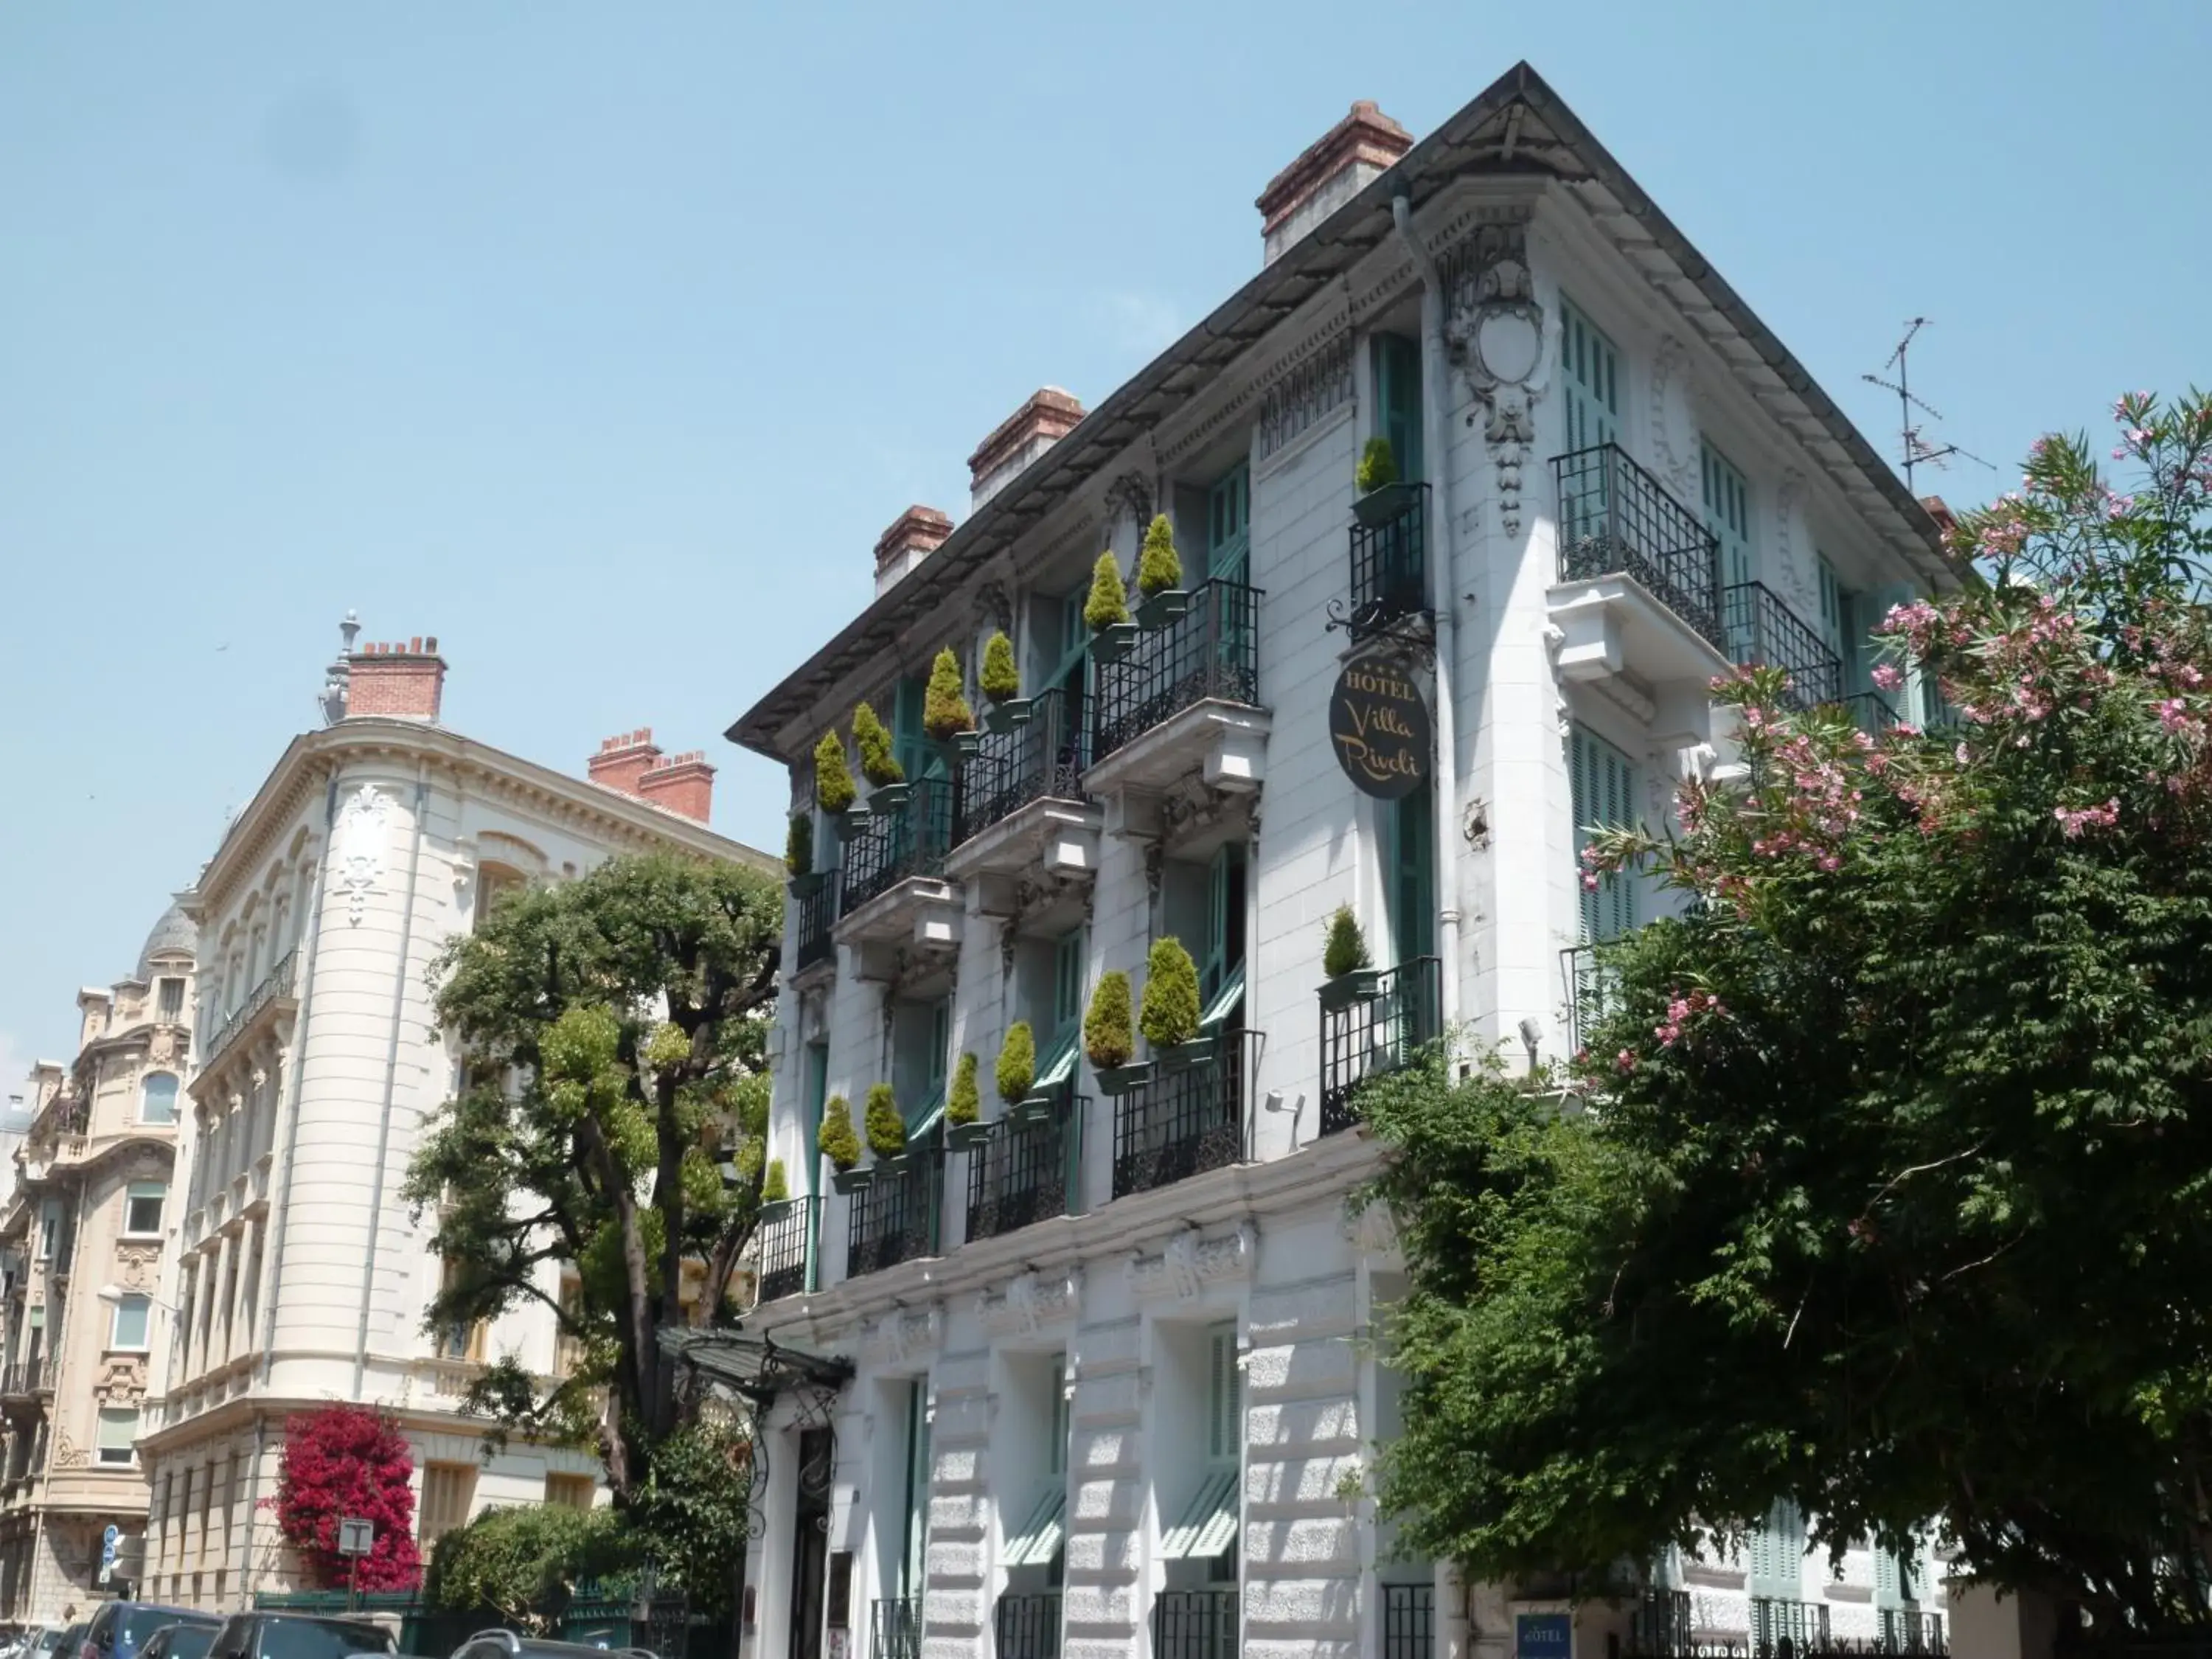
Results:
[81, 1242]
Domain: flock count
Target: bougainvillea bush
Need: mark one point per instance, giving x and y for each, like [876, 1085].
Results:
[1885, 1182]
[341, 1460]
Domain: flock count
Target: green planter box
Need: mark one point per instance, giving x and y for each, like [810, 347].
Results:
[1184, 1056]
[1379, 506]
[1125, 1080]
[853, 1180]
[1168, 606]
[1361, 985]
[967, 1137]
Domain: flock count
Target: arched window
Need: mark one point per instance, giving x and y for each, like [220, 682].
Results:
[157, 1098]
[494, 880]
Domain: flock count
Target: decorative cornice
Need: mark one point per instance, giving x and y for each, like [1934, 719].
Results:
[1188, 1262]
[1030, 1301]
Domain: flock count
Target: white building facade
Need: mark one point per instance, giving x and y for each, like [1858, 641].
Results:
[1115, 1389]
[299, 1277]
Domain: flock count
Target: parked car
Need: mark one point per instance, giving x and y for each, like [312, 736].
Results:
[70, 1643]
[299, 1635]
[119, 1629]
[178, 1641]
[508, 1644]
[41, 1640]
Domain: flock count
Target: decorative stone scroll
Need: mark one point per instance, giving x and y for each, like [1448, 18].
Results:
[1504, 344]
[1190, 1261]
[1031, 1301]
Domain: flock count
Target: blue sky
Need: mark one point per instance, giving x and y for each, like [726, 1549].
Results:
[602, 340]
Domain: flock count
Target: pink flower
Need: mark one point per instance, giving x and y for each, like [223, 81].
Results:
[1625, 1061]
[1886, 676]
[1589, 884]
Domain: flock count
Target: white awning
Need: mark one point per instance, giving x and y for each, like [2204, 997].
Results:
[1059, 1064]
[1208, 1526]
[1038, 1540]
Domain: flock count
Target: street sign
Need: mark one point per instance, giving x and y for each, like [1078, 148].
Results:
[357, 1537]
[109, 1540]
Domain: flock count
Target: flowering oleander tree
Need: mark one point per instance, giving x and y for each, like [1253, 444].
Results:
[1885, 1182]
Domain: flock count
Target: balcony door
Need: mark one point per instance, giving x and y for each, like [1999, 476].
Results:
[1589, 381]
[1603, 788]
[1229, 525]
[1410, 875]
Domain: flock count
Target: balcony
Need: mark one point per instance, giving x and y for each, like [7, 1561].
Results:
[1026, 1172]
[1378, 1034]
[1194, 1625]
[1390, 562]
[1409, 1621]
[1639, 591]
[893, 1218]
[893, 892]
[1183, 1123]
[895, 1629]
[1021, 804]
[1871, 712]
[275, 991]
[1660, 1623]
[25, 1380]
[1590, 989]
[1906, 1630]
[1027, 1626]
[816, 899]
[1185, 699]
[1763, 630]
[785, 1249]
[1800, 1624]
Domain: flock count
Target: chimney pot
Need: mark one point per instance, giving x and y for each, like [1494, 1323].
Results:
[623, 759]
[683, 784]
[1328, 172]
[396, 683]
[1046, 416]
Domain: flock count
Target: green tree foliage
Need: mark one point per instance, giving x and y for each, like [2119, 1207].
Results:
[590, 1126]
[886, 1126]
[1377, 466]
[693, 1513]
[1170, 1011]
[1159, 567]
[964, 1104]
[1109, 602]
[1000, 679]
[839, 1143]
[1109, 1037]
[833, 778]
[1017, 1068]
[799, 842]
[945, 710]
[524, 1564]
[1344, 946]
[879, 764]
[1893, 1201]
[775, 1185]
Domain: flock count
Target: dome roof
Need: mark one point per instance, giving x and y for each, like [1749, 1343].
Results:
[176, 932]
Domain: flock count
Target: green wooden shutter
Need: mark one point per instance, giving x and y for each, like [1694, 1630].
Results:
[1397, 364]
[915, 1557]
[1057, 1453]
[917, 756]
[1225, 920]
[1889, 1581]
[1229, 526]
[1224, 1418]
[1602, 784]
[1777, 1555]
[940, 1040]
[815, 1082]
[1591, 380]
[1410, 880]
[1728, 513]
[1067, 983]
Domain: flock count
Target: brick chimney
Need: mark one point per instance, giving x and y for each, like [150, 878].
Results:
[683, 784]
[1330, 171]
[914, 536]
[623, 759]
[399, 681]
[1048, 415]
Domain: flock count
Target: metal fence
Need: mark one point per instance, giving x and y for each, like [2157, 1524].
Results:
[786, 1246]
[1763, 630]
[893, 1218]
[1389, 565]
[1908, 1630]
[1194, 1625]
[1042, 759]
[1212, 651]
[1025, 1172]
[277, 982]
[1409, 1621]
[1775, 1620]
[1027, 1626]
[1615, 518]
[895, 1629]
[1590, 989]
[1871, 712]
[1378, 1034]
[660, 1622]
[1183, 1123]
[816, 898]
[907, 840]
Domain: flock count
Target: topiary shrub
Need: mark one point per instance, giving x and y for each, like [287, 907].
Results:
[886, 1128]
[964, 1104]
[1377, 466]
[1159, 567]
[348, 1460]
[1106, 1036]
[1170, 1011]
[833, 778]
[775, 1186]
[1000, 679]
[1344, 946]
[836, 1138]
[799, 842]
[879, 765]
[945, 710]
[1017, 1068]
[1109, 602]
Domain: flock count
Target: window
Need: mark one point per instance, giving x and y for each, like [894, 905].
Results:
[50, 1228]
[170, 999]
[1229, 524]
[460, 1339]
[142, 1206]
[1728, 513]
[117, 1445]
[1603, 785]
[448, 1491]
[1224, 921]
[1225, 1397]
[128, 1327]
[157, 1098]
[1067, 984]
[1058, 1450]
[1397, 364]
[1777, 1555]
[1592, 382]
[570, 1491]
[1411, 879]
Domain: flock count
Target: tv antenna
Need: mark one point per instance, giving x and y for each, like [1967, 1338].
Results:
[1917, 450]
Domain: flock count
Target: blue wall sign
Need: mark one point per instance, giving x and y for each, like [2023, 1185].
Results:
[1543, 1635]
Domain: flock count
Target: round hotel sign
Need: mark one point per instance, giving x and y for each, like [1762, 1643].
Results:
[1379, 727]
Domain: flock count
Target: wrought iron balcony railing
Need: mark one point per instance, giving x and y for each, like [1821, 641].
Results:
[816, 897]
[1043, 759]
[1027, 1626]
[1871, 712]
[1026, 1172]
[898, 842]
[1614, 517]
[1907, 1630]
[1389, 564]
[787, 1248]
[1590, 988]
[1212, 651]
[893, 1218]
[1763, 630]
[1659, 1622]
[1409, 1621]
[277, 982]
[1181, 1123]
[1194, 1624]
[1775, 1620]
[895, 1629]
[1374, 1034]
